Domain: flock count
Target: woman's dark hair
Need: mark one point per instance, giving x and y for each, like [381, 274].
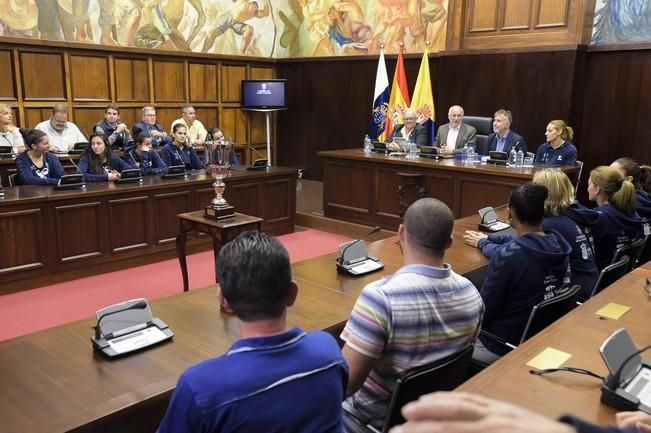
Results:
[31, 136]
[94, 161]
[631, 168]
[177, 127]
[645, 178]
[528, 203]
[140, 138]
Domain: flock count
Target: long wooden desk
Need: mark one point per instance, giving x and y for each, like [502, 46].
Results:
[363, 188]
[49, 235]
[579, 333]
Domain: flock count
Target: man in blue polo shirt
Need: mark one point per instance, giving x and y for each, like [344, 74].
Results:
[272, 379]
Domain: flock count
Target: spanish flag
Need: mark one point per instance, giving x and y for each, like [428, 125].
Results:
[423, 101]
[399, 99]
[380, 99]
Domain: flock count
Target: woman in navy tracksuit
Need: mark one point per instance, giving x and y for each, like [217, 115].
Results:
[619, 224]
[142, 156]
[37, 166]
[98, 163]
[574, 222]
[639, 175]
[522, 271]
[180, 152]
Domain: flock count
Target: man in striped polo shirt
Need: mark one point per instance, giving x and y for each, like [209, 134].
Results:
[422, 313]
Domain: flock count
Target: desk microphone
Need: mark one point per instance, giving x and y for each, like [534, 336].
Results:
[612, 391]
[140, 305]
[73, 163]
[363, 238]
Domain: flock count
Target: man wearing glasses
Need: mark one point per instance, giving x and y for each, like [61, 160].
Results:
[149, 128]
[410, 131]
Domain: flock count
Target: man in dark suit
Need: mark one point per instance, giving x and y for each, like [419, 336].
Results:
[149, 128]
[453, 136]
[503, 139]
[411, 130]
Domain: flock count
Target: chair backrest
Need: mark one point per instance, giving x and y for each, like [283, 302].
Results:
[632, 250]
[441, 375]
[13, 179]
[484, 127]
[610, 274]
[577, 178]
[548, 311]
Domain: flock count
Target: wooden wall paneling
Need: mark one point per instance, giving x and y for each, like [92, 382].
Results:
[246, 197]
[128, 223]
[86, 118]
[34, 116]
[280, 207]
[8, 81]
[231, 78]
[130, 116]
[208, 116]
[43, 76]
[261, 73]
[166, 207]
[203, 82]
[89, 77]
[131, 80]
[169, 81]
[82, 225]
[165, 116]
[482, 16]
[517, 15]
[258, 123]
[233, 122]
[552, 13]
[23, 243]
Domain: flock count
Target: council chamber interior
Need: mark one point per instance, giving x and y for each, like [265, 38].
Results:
[540, 59]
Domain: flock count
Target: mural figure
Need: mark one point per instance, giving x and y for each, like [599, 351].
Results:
[19, 18]
[235, 20]
[621, 21]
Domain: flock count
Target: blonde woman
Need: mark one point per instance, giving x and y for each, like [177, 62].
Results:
[574, 222]
[9, 134]
[558, 149]
[619, 224]
[639, 175]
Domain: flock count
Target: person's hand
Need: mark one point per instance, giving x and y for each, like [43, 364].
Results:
[198, 142]
[155, 133]
[121, 128]
[393, 147]
[145, 148]
[113, 175]
[459, 412]
[641, 421]
[472, 238]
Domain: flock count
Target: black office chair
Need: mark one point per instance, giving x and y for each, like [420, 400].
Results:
[484, 127]
[544, 314]
[13, 179]
[577, 176]
[610, 274]
[441, 375]
[633, 250]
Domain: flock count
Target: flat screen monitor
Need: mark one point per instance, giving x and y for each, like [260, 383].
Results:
[264, 94]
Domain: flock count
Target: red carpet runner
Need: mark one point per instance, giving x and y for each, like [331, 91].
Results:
[33, 310]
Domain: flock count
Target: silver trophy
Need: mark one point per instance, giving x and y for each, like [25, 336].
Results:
[219, 166]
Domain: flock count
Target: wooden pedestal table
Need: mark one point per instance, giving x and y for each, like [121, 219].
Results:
[221, 232]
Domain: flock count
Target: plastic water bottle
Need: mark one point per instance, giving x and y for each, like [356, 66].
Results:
[472, 156]
[512, 156]
[464, 153]
[519, 158]
[413, 150]
[367, 144]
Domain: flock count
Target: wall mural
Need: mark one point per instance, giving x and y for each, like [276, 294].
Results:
[621, 21]
[263, 28]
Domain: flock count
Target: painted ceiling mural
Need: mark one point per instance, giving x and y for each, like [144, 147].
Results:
[621, 21]
[263, 28]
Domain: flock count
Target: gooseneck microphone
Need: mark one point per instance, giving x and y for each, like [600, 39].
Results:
[363, 238]
[140, 305]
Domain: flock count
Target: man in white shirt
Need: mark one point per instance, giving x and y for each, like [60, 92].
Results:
[196, 131]
[62, 134]
[453, 136]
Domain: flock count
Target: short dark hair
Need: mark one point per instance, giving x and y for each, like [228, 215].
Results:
[31, 136]
[255, 276]
[528, 203]
[428, 223]
[112, 107]
[178, 126]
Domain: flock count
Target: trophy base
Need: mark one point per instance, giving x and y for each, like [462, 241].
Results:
[219, 212]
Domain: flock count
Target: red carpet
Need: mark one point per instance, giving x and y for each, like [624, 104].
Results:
[33, 310]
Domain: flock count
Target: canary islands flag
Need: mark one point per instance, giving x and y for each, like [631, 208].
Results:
[423, 101]
[380, 99]
[399, 99]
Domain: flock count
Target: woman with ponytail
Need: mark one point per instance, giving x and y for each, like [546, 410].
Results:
[632, 171]
[37, 166]
[558, 149]
[619, 224]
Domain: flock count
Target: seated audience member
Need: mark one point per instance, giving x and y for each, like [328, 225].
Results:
[196, 131]
[639, 175]
[179, 152]
[272, 379]
[141, 156]
[454, 136]
[150, 128]
[63, 134]
[216, 134]
[116, 132]
[411, 131]
[98, 163]
[619, 224]
[558, 149]
[9, 134]
[522, 271]
[645, 178]
[574, 222]
[503, 139]
[37, 166]
[460, 412]
[423, 312]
